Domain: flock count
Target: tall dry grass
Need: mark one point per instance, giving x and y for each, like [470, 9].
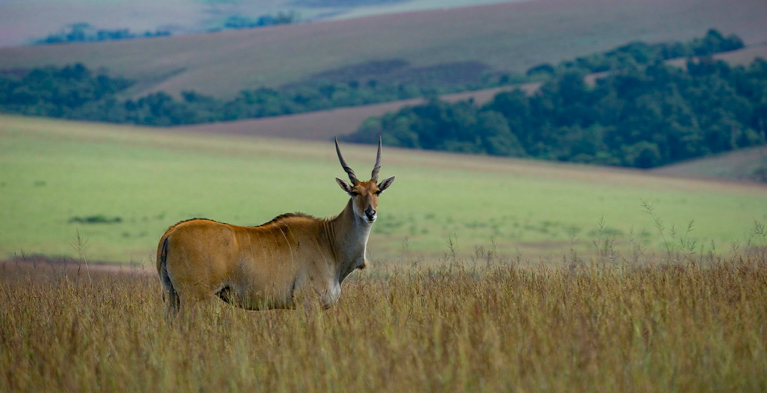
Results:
[698, 324]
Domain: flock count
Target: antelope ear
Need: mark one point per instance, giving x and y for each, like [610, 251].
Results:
[345, 186]
[385, 184]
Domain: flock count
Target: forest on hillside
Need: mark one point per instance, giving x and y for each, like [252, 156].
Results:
[641, 112]
[634, 116]
[76, 92]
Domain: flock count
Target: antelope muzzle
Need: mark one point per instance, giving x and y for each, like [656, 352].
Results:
[370, 214]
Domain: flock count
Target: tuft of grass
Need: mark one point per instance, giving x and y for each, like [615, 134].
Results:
[80, 244]
[95, 219]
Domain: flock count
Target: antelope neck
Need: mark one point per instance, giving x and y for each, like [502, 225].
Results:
[348, 237]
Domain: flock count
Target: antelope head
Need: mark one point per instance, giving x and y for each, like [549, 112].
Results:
[364, 194]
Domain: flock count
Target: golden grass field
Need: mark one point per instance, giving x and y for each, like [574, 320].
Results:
[692, 323]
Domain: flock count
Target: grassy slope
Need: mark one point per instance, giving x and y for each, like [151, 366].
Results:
[511, 36]
[51, 171]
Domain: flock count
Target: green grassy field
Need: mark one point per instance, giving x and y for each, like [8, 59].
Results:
[54, 173]
[505, 37]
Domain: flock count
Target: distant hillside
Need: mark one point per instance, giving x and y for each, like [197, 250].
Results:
[490, 38]
[25, 21]
[323, 125]
[746, 164]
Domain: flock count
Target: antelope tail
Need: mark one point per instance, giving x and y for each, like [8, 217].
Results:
[173, 303]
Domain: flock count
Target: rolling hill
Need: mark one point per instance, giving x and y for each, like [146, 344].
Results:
[324, 125]
[489, 38]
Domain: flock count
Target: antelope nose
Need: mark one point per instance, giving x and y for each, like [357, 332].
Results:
[370, 213]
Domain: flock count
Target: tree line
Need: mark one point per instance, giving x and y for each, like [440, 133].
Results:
[634, 116]
[239, 21]
[76, 92]
[84, 32]
[640, 53]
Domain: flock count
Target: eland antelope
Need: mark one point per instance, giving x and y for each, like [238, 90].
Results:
[268, 266]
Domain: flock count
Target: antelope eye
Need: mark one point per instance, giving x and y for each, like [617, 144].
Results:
[355, 193]
[378, 192]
